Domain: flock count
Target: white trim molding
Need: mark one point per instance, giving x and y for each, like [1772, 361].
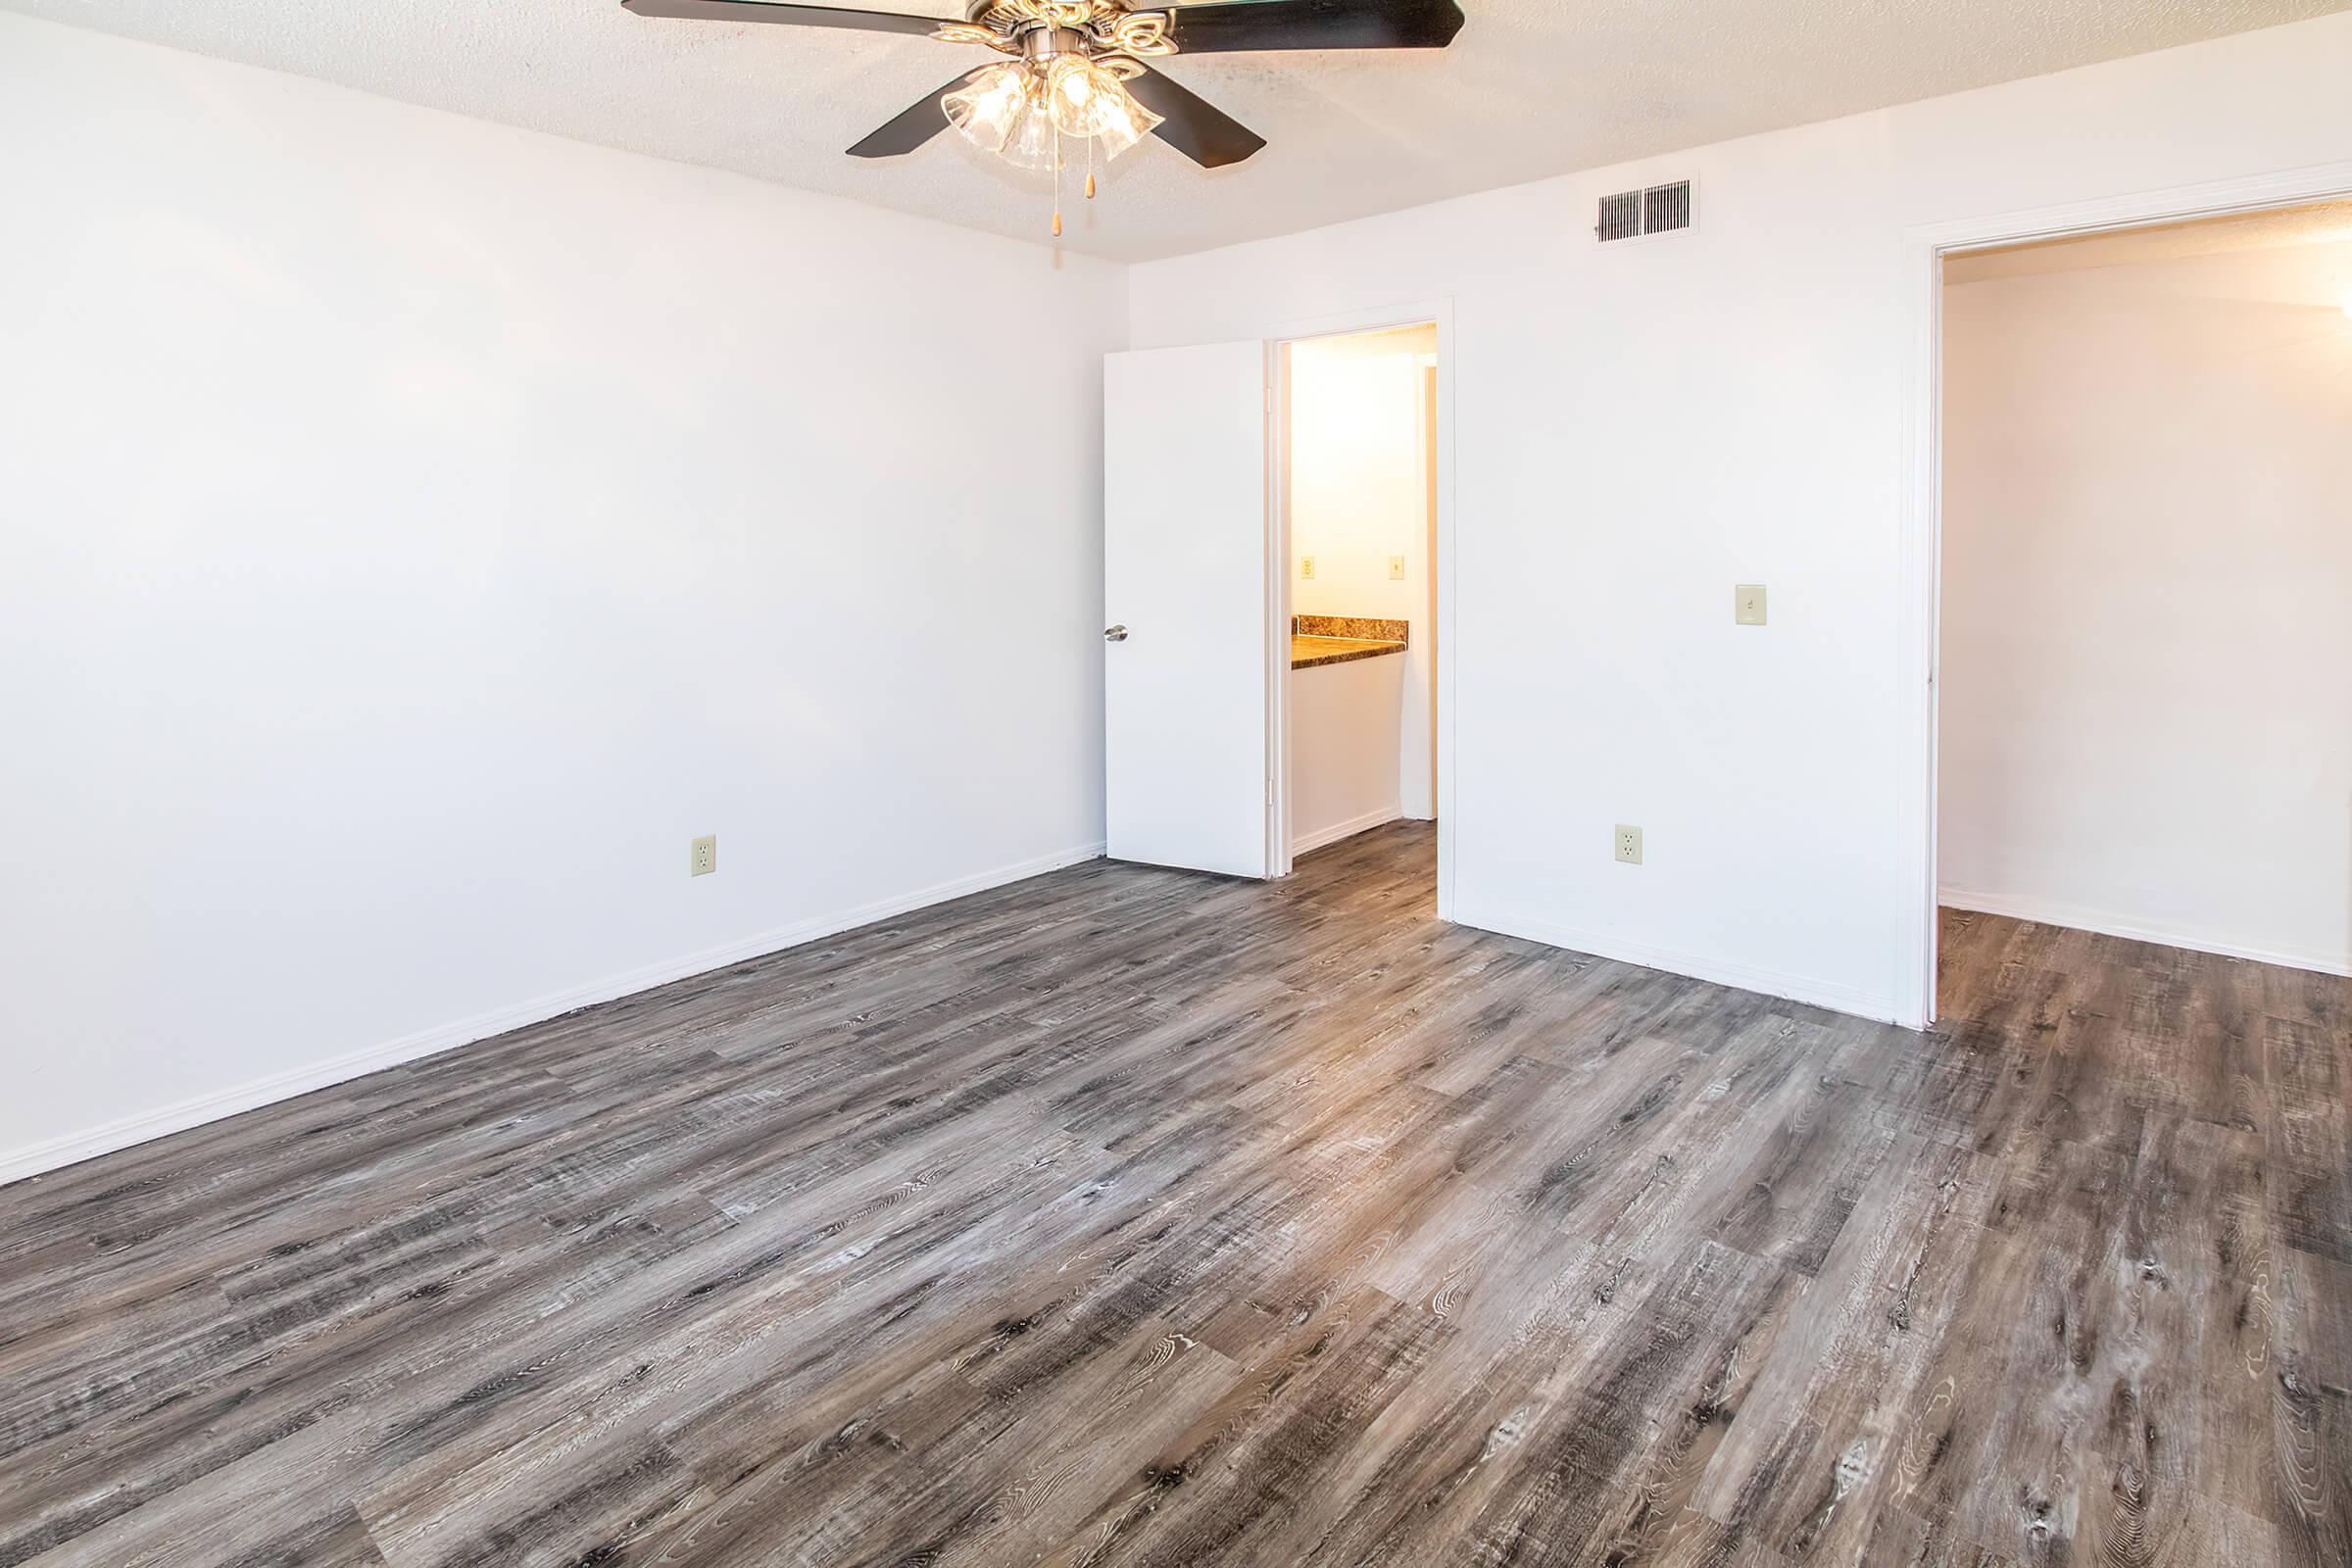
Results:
[1346, 830]
[85, 1143]
[1805, 989]
[1919, 548]
[2073, 917]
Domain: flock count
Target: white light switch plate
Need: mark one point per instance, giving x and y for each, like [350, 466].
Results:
[1748, 608]
[1395, 569]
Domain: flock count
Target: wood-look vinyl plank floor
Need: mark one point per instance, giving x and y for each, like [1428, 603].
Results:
[1126, 1216]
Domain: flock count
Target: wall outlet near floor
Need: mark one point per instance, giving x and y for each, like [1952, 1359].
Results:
[1747, 605]
[704, 858]
[1395, 569]
[1306, 565]
[1628, 844]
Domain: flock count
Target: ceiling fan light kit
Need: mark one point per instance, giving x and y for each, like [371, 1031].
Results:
[1077, 72]
[1020, 114]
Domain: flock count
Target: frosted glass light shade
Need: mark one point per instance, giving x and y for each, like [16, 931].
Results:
[1017, 111]
[990, 107]
[1089, 101]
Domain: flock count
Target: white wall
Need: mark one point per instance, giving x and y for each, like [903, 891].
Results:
[413, 531]
[1344, 748]
[1359, 495]
[2146, 659]
[1638, 430]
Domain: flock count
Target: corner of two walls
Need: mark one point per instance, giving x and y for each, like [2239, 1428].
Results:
[1636, 432]
[403, 569]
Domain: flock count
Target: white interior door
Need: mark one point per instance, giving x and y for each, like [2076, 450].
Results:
[1184, 595]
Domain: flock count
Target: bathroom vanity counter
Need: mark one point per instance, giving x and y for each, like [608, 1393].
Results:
[1309, 651]
[1338, 639]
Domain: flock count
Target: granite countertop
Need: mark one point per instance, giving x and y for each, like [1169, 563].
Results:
[1309, 651]
[1337, 638]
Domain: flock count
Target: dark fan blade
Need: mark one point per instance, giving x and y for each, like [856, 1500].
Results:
[1192, 124]
[797, 16]
[1234, 25]
[912, 126]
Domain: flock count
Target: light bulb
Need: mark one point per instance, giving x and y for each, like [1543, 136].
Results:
[989, 108]
[1020, 113]
[1090, 100]
[1071, 79]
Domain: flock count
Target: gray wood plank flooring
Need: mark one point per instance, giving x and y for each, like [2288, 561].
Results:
[1125, 1216]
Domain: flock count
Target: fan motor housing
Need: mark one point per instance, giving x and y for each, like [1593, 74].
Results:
[1013, 13]
[1041, 43]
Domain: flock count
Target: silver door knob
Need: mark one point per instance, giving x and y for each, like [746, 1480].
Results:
[1114, 634]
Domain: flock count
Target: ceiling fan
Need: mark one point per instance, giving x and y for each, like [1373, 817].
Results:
[1077, 69]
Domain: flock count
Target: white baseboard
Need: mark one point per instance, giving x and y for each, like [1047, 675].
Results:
[2045, 912]
[1830, 994]
[74, 1146]
[1343, 830]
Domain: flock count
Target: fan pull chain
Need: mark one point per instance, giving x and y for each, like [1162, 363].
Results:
[1090, 168]
[1058, 183]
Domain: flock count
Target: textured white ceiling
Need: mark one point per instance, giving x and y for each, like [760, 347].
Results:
[1530, 88]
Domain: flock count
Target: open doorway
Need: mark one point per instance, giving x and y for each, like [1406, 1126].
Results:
[1357, 504]
[2143, 665]
[1200, 579]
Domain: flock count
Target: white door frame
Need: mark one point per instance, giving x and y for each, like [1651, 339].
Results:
[1921, 556]
[1346, 323]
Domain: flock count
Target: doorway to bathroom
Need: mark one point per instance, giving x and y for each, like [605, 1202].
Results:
[1258, 493]
[1356, 509]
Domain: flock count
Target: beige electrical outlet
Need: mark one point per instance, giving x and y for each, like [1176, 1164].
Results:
[1747, 608]
[1306, 565]
[1628, 844]
[1395, 569]
[704, 858]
